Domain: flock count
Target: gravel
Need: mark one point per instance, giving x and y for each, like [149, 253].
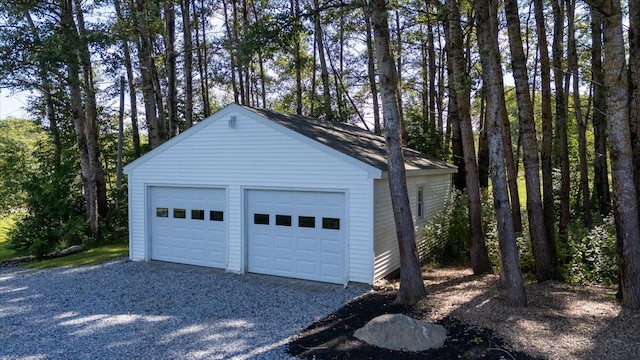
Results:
[137, 310]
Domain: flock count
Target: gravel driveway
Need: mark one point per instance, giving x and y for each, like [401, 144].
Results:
[125, 310]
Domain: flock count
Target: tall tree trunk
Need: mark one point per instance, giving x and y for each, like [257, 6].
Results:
[232, 54]
[411, 284]
[91, 109]
[431, 54]
[512, 174]
[585, 195]
[80, 120]
[403, 132]
[546, 149]
[203, 61]
[483, 143]
[622, 172]
[188, 62]
[297, 57]
[486, 19]
[561, 121]
[634, 86]
[324, 72]
[169, 44]
[145, 57]
[601, 168]
[131, 81]
[460, 85]
[542, 254]
[372, 72]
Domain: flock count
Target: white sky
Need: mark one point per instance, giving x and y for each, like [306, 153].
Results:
[12, 105]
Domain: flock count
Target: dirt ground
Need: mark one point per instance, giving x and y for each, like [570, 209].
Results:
[561, 322]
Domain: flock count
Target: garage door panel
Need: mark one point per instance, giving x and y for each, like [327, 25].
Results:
[180, 227]
[294, 244]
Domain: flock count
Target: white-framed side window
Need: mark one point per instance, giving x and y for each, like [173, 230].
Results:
[420, 195]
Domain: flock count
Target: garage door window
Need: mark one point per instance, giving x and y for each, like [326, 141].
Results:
[162, 212]
[197, 214]
[261, 219]
[216, 215]
[306, 221]
[283, 220]
[331, 223]
[180, 213]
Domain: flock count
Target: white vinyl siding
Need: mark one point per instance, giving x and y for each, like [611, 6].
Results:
[436, 192]
[255, 154]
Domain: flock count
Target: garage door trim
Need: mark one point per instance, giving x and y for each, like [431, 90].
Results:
[247, 221]
[150, 212]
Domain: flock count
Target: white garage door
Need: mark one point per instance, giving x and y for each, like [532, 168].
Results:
[188, 225]
[297, 234]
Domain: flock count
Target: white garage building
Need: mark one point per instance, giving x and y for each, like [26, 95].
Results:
[252, 190]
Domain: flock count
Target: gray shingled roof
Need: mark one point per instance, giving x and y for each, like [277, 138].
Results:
[350, 140]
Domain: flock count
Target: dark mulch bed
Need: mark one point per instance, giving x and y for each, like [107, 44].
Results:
[332, 336]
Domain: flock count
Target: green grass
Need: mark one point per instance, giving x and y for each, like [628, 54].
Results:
[97, 255]
[6, 222]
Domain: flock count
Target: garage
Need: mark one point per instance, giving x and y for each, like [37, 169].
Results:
[298, 234]
[188, 225]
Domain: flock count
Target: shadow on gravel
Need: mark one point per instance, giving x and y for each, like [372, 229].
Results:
[125, 310]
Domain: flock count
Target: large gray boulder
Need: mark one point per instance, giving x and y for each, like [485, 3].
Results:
[400, 332]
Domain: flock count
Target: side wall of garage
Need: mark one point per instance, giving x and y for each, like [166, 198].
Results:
[253, 153]
[435, 191]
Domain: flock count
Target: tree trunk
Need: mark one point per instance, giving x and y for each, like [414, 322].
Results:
[486, 19]
[372, 72]
[203, 61]
[561, 122]
[297, 57]
[620, 150]
[512, 174]
[542, 254]
[145, 57]
[634, 86]
[483, 144]
[188, 62]
[585, 197]
[411, 284]
[546, 150]
[79, 121]
[324, 72]
[601, 168]
[460, 85]
[91, 109]
[169, 44]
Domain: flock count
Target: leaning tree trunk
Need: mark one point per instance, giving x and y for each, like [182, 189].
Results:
[461, 83]
[172, 89]
[542, 254]
[411, 284]
[634, 86]
[622, 172]
[486, 18]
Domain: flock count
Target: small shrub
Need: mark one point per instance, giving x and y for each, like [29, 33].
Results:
[592, 254]
[447, 234]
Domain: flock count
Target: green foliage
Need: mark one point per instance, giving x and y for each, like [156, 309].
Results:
[54, 206]
[592, 254]
[6, 223]
[423, 135]
[447, 234]
[18, 140]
